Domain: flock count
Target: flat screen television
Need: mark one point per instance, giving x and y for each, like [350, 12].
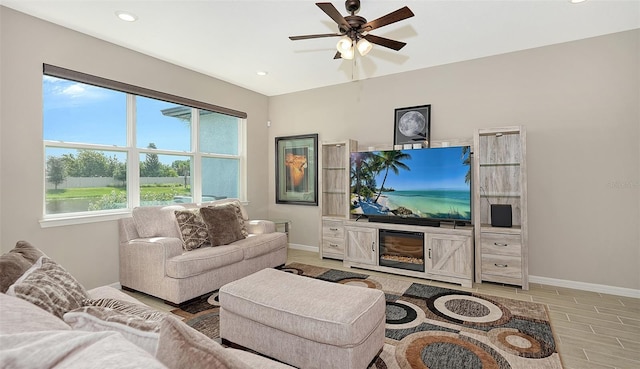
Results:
[421, 186]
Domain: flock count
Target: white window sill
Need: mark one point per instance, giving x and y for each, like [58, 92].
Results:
[62, 220]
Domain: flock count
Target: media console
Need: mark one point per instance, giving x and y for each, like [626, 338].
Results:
[443, 253]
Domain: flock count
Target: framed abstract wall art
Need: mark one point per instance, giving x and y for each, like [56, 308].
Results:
[297, 170]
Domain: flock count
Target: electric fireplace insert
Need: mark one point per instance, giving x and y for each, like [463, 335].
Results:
[401, 249]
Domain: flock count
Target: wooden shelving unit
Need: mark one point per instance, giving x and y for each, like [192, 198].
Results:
[500, 177]
[334, 195]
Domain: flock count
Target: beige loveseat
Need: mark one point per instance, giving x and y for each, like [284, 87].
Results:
[153, 258]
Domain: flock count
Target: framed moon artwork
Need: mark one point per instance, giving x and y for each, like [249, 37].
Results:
[412, 125]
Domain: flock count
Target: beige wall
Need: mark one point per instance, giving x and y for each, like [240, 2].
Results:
[90, 251]
[580, 104]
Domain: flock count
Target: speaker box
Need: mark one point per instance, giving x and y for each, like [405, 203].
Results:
[500, 215]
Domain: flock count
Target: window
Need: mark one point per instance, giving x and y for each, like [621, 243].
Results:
[110, 147]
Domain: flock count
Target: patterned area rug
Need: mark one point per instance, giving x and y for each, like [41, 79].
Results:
[430, 327]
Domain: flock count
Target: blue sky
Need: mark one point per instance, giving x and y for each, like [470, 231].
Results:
[77, 112]
[435, 168]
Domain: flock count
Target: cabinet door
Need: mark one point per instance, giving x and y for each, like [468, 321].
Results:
[449, 255]
[362, 245]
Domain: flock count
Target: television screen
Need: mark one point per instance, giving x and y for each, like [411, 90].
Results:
[433, 183]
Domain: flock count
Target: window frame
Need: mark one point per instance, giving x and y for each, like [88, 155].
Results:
[133, 152]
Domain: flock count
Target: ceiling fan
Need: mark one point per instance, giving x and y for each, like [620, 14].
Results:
[355, 29]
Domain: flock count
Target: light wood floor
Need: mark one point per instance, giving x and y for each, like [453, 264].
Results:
[593, 330]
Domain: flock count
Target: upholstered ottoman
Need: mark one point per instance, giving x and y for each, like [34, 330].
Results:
[302, 321]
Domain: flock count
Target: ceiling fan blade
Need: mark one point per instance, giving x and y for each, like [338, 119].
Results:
[305, 37]
[331, 11]
[391, 44]
[338, 55]
[398, 15]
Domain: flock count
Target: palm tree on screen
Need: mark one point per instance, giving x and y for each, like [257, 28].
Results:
[390, 160]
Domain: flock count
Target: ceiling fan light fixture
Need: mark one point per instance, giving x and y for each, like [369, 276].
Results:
[344, 44]
[364, 46]
[348, 54]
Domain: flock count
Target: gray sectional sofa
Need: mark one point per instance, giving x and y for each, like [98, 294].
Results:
[153, 259]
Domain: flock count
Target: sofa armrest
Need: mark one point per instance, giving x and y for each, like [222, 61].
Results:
[260, 226]
[143, 262]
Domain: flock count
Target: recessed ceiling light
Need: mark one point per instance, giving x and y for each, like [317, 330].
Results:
[576, 1]
[262, 73]
[126, 16]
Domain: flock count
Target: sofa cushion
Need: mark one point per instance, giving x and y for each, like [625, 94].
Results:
[222, 224]
[193, 230]
[108, 292]
[202, 260]
[49, 286]
[139, 310]
[182, 347]
[260, 244]
[18, 315]
[17, 261]
[156, 221]
[138, 330]
[73, 350]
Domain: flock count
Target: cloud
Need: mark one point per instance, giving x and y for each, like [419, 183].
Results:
[60, 90]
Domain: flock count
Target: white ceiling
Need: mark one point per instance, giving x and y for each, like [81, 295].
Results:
[232, 40]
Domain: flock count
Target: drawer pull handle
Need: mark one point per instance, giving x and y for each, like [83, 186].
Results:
[373, 246]
[333, 229]
[501, 265]
[500, 244]
[333, 245]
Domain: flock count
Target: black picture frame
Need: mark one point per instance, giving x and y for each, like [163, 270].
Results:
[297, 170]
[412, 125]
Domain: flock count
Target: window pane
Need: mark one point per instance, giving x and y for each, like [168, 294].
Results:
[218, 133]
[165, 179]
[84, 180]
[76, 112]
[220, 178]
[165, 125]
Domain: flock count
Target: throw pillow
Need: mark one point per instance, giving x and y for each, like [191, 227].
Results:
[49, 286]
[193, 230]
[222, 224]
[73, 349]
[241, 221]
[182, 347]
[19, 316]
[142, 311]
[143, 333]
[17, 261]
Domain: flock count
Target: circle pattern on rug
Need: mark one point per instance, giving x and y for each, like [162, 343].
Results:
[403, 314]
[360, 282]
[468, 309]
[292, 270]
[520, 344]
[444, 350]
[214, 299]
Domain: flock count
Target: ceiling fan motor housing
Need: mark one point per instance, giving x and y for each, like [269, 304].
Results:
[352, 5]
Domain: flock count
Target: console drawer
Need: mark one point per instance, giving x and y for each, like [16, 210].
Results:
[502, 266]
[333, 246]
[501, 244]
[332, 229]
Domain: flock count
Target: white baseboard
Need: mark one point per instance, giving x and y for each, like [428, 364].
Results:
[296, 246]
[592, 287]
